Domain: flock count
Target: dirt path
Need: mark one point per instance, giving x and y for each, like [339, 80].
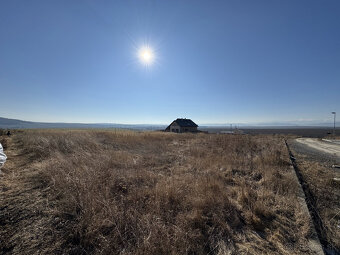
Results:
[24, 207]
[325, 147]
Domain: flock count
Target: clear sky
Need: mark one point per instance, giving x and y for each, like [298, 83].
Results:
[215, 61]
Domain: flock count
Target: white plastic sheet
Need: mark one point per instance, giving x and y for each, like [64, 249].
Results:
[3, 157]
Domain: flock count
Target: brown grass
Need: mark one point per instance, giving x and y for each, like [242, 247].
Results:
[320, 177]
[3, 141]
[127, 192]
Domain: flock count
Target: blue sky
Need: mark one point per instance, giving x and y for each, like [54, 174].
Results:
[216, 61]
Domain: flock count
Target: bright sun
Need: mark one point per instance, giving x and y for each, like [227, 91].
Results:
[146, 55]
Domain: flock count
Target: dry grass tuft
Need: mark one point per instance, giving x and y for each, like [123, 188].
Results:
[3, 142]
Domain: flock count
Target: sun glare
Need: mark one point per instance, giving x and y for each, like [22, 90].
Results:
[146, 55]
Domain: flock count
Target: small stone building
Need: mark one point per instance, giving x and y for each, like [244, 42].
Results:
[181, 126]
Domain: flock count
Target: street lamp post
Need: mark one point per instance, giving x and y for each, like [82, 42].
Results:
[334, 113]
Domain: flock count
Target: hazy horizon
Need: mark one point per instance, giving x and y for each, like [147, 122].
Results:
[225, 124]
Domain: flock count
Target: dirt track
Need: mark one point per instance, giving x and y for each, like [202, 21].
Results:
[318, 150]
[24, 210]
[326, 147]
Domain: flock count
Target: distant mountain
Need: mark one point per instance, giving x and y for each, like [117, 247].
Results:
[6, 123]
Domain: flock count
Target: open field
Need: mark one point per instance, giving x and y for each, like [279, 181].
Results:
[317, 132]
[124, 192]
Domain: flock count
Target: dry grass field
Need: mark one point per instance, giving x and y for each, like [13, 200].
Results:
[124, 192]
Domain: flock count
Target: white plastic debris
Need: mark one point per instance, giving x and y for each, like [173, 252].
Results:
[3, 156]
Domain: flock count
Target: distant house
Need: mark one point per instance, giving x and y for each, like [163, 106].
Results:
[181, 126]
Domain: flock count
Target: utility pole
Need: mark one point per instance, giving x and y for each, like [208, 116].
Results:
[334, 113]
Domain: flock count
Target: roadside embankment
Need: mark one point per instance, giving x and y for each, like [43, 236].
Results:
[318, 178]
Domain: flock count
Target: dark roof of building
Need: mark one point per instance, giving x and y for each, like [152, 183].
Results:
[185, 123]
[182, 123]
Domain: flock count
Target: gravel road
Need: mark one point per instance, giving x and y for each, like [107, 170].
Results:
[316, 149]
[321, 145]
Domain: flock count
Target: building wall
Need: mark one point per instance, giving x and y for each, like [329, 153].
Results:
[177, 129]
[189, 129]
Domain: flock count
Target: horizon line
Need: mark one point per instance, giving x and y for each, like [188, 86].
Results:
[264, 123]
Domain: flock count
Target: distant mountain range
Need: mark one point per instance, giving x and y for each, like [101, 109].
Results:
[6, 123]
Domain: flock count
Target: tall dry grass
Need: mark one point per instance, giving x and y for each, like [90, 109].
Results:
[159, 193]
